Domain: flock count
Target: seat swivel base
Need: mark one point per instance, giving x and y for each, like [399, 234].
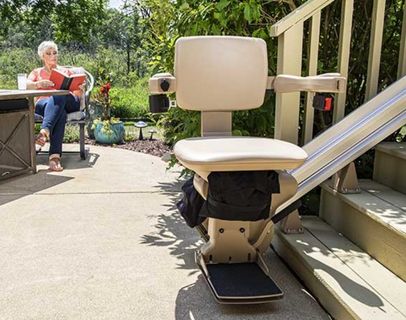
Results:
[240, 283]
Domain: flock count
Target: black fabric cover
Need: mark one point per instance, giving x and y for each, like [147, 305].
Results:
[13, 105]
[240, 195]
[158, 103]
[189, 206]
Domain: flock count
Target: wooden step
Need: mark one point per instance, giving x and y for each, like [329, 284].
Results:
[390, 165]
[375, 220]
[348, 282]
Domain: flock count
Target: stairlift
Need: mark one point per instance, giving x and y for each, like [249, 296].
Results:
[217, 75]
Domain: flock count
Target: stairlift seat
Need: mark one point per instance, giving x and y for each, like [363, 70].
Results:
[238, 154]
[218, 75]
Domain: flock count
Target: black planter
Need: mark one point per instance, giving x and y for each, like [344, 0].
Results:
[158, 103]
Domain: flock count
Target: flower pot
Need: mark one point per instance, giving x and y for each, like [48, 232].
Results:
[95, 111]
[113, 136]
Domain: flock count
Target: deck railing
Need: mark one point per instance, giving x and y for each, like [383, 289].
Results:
[289, 31]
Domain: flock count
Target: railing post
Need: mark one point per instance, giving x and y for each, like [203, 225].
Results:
[287, 104]
[402, 51]
[344, 54]
[313, 57]
[375, 46]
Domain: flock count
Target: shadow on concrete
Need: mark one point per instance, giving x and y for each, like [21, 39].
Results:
[22, 186]
[71, 160]
[197, 302]
[171, 230]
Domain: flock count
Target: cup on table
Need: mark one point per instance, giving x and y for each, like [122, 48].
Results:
[22, 81]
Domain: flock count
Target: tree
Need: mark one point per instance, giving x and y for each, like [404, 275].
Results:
[121, 29]
[67, 21]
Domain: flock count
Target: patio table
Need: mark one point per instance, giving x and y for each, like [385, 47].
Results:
[17, 143]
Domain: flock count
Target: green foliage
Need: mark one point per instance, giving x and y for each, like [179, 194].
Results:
[178, 124]
[159, 17]
[73, 20]
[131, 102]
[71, 134]
[401, 135]
[87, 32]
[105, 64]
[360, 38]
[257, 122]
[76, 19]
[128, 137]
[106, 125]
[358, 63]
[13, 61]
[168, 20]
[174, 19]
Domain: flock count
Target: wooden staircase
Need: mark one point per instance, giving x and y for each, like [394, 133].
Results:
[353, 256]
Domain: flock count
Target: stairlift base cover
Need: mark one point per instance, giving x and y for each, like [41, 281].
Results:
[240, 195]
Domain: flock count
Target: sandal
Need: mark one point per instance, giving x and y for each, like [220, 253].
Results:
[55, 163]
[42, 138]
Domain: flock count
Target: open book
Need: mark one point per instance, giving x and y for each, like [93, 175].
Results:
[64, 82]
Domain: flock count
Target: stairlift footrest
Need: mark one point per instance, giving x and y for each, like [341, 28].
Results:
[240, 283]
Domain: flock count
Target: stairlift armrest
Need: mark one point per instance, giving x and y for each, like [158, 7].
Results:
[162, 83]
[329, 82]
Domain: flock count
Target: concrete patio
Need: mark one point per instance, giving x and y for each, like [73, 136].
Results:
[102, 240]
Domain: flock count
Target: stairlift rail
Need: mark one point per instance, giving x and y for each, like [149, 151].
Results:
[350, 138]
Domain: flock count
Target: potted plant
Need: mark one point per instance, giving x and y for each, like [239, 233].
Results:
[107, 129]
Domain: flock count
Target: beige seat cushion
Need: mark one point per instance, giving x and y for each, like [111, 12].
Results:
[208, 154]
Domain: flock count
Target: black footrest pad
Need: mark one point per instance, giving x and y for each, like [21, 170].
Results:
[241, 280]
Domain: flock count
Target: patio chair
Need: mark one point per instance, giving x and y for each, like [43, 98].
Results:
[216, 75]
[79, 117]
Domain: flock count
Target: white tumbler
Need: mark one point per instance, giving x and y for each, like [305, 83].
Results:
[22, 81]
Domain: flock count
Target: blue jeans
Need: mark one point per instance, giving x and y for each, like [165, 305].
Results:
[54, 110]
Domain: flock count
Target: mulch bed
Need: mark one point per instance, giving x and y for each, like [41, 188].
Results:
[153, 147]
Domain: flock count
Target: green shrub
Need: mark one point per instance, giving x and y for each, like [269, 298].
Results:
[401, 135]
[178, 124]
[71, 134]
[130, 102]
[257, 122]
[14, 61]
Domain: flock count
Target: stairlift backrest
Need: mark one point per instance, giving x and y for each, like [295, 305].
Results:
[216, 73]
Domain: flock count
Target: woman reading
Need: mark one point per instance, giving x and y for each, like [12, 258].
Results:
[53, 109]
